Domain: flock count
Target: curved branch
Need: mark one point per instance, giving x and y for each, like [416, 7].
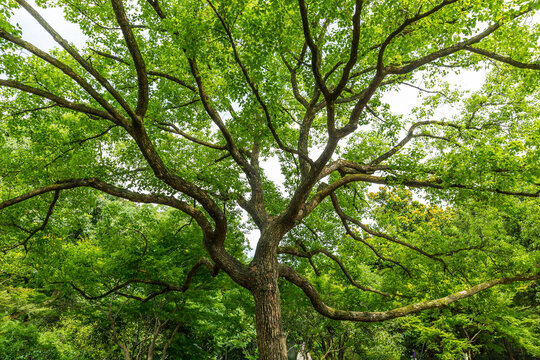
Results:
[409, 137]
[252, 86]
[80, 143]
[140, 67]
[343, 217]
[367, 316]
[62, 42]
[393, 180]
[83, 108]
[40, 228]
[504, 59]
[166, 287]
[117, 192]
[48, 216]
[463, 45]
[403, 26]
[26, 111]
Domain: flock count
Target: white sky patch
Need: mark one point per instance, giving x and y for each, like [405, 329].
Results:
[405, 98]
[36, 35]
[272, 170]
[253, 238]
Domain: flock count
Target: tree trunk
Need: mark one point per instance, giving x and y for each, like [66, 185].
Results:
[125, 351]
[509, 350]
[271, 340]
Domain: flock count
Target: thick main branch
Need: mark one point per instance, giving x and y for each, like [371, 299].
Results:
[374, 316]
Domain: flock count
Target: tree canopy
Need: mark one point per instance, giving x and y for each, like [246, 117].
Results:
[183, 104]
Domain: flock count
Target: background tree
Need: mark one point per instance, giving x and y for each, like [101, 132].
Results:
[64, 299]
[473, 326]
[178, 103]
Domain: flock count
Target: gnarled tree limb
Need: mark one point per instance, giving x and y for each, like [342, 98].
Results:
[374, 316]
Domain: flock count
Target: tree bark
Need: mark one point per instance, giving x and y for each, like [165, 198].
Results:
[271, 341]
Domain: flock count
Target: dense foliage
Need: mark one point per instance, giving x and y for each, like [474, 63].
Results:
[134, 169]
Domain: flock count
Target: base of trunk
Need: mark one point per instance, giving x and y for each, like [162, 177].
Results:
[271, 341]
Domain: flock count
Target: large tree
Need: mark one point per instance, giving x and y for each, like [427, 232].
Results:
[178, 104]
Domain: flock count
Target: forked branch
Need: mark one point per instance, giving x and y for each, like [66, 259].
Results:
[169, 127]
[315, 51]
[38, 229]
[410, 135]
[402, 27]
[309, 254]
[165, 287]
[150, 72]
[252, 85]
[353, 53]
[344, 218]
[119, 119]
[383, 70]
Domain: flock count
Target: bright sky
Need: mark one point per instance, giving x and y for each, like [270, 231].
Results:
[33, 33]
